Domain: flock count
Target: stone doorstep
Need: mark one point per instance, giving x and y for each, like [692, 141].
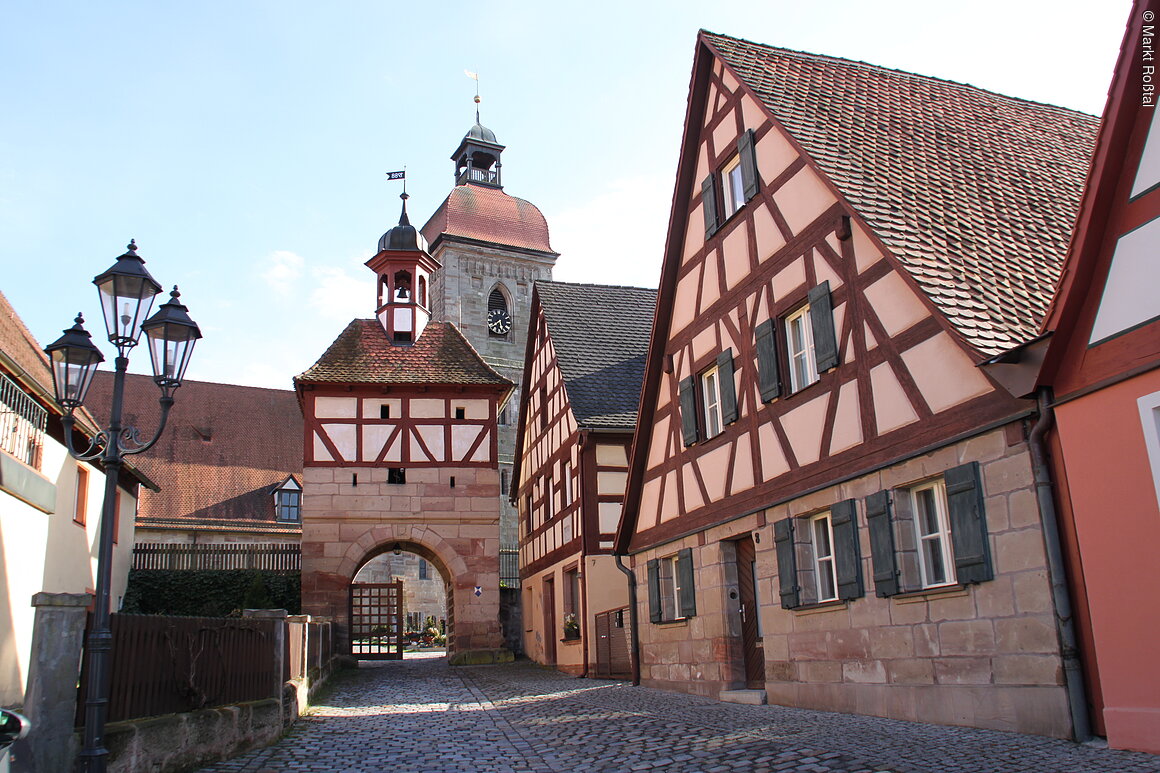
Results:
[748, 697]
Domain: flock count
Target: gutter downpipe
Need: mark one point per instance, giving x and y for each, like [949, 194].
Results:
[1064, 618]
[632, 615]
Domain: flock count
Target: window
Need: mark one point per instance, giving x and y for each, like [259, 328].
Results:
[725, 193]
[823, 544]
[397, 476]
[82, 496]
[543, 407]
[572, 603]
[1149, 407]
[288, 505]
[709, 402]
[931, 534]
[460, 413]
[733, 188]
[422, 569]
[504, 481]
[800, 349]
[22, 422]
[384, 411]
[568, 494]
[548, 509]
[670, 587]
[818, 558]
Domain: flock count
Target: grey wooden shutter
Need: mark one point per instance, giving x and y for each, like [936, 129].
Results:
[748, 155]
[968, 524]
[654, 591]
[726, 387]
[786, 562]
[709, 204]
[822, 322]
[688, 394]
[847, 555]
[688, 599]
[882, 544]
[768, 377]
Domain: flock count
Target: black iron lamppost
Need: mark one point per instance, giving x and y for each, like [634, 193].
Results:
[127, 292]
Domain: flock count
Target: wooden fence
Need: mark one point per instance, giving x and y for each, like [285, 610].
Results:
[166, 665]
[266, 557]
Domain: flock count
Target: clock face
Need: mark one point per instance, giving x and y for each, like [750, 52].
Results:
[499, 322]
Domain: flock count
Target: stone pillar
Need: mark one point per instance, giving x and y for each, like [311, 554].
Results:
[50, 700]
[279, 644]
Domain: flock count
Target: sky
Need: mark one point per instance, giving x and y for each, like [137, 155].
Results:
[244, 144]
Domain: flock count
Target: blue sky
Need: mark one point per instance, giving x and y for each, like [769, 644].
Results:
[244, 144]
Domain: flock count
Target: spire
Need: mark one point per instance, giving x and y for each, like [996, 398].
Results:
[404, 236]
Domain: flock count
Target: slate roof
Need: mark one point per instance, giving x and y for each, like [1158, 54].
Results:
[489, 215]
[223, 451]
[974, 192]
[601, 335]
[362, 354]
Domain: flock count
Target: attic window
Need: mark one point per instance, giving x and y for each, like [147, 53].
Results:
[384, 411]
[460, 413]
[288, 501]
[396, 475]
[732, 187]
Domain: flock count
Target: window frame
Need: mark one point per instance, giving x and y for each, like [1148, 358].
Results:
[709, 387]
[281, 505]
[732, 187]
[941, 534]
[568, 493]
[824, 563]
[670, 589]
[81, 494]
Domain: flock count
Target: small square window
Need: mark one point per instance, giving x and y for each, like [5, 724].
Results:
[288, 506]
[384, 411]
[732, 186]
[799, 339]
[396, 475]
[460, 413]
[711, 401]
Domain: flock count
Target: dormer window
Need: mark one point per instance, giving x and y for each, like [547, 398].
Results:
[288, 501]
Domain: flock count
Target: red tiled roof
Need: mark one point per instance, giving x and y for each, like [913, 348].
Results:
[223, 451]
[362, 354]
[489, 215]
[974, 192]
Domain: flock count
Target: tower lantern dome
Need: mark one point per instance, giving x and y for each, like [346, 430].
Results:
[477, 158]
[405, 268]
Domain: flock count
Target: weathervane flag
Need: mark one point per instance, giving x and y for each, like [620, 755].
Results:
[473, 75]
[397, 175]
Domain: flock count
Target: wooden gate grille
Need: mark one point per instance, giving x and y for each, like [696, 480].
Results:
[612, 653]
[376, 620]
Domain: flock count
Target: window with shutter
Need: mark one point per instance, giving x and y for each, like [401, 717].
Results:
[727, 387]
[968, 524]
[654, 590]
[847, 554]
[686, 595]
[822, 323]
[747, 152]
[709, 205]
[689, 424]
[671, 595]
[799, 340]
[786, 562]
[882, 544]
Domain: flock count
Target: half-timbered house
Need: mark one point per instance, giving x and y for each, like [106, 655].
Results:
[400, 454]
[1103, 365]
[829, 503]
[582, 377]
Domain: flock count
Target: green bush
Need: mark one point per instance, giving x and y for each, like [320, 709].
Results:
[210, 593]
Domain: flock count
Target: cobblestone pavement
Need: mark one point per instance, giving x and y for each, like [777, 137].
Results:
[426, 717]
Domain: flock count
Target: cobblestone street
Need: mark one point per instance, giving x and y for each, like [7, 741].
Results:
[422, 715]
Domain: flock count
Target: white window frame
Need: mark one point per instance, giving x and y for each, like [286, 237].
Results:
[549, 513]
[732, 186]
[711, 401]
[822, 541]
[1149, 406]
[568, 494]
[670, 588]
[803, 367]
[935, 542]
[282, 506]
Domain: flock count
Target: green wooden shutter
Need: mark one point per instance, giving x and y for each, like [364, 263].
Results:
[654, 591]
[786, 562]
[726, 387]
[688, 394]
[748, 155]
[768, 377]
[688, 599]
[709, 204]
[882, 544]
[822, 322]
[968, 524]
[847, 555]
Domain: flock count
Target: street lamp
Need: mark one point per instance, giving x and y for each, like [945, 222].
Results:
[127, 292]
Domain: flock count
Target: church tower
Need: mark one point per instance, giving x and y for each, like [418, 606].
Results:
[492, 248]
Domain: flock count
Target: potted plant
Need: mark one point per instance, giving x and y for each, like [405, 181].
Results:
[571, 626]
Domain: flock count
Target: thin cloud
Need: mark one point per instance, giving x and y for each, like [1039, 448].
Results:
[282, 270]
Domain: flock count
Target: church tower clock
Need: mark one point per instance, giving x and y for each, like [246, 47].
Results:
[492, 248]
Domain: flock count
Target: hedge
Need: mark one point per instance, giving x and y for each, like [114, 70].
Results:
[210, 593]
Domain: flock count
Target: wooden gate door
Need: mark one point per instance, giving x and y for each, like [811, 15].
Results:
[612, 654]
[376, 620]
[751, 644]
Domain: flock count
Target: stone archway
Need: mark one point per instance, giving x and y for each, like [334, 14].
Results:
[470, 569]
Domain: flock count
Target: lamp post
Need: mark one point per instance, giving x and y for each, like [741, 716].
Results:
[127, 292]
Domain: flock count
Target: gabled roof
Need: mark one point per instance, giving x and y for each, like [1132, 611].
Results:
[600, 334]
[974, 192]
[224, 449]
[362, 354]
[486, 214]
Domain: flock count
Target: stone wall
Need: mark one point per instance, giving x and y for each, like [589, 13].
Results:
[455, 528]
[984, 655]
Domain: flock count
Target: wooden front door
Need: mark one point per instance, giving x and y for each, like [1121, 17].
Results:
[751, 644]
[376, 620]
[612, 652]
[549, 621]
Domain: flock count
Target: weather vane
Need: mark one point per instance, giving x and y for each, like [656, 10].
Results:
[475, 77]
[399, 176]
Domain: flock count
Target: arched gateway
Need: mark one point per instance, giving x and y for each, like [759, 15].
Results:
[401, 453]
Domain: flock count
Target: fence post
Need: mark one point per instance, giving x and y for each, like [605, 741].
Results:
[279, 616]
[50, 699]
